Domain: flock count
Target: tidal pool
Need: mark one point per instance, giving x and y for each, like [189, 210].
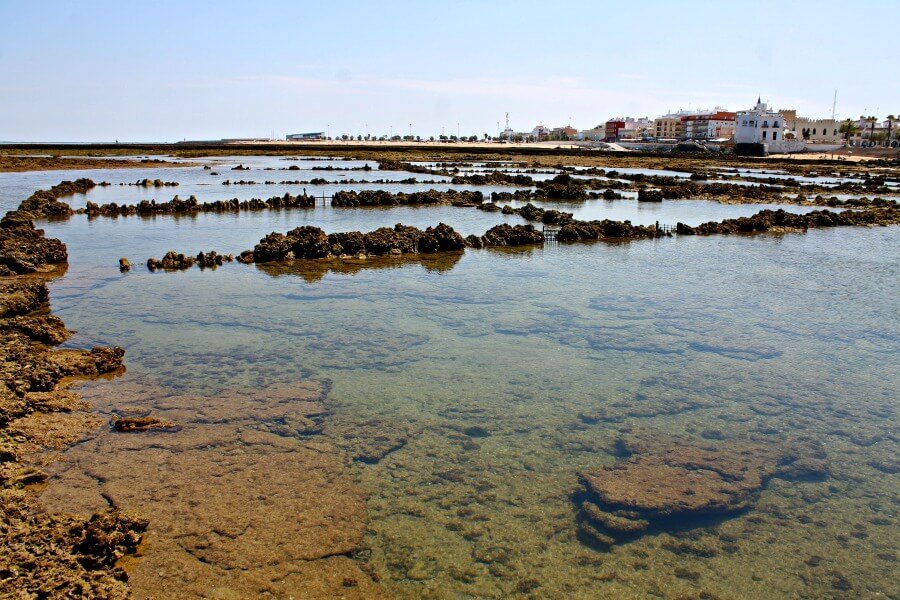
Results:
[481, 367]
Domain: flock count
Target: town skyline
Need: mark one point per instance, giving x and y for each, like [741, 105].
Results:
[207, 70]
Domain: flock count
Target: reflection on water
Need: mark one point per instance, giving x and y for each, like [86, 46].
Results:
[312, 271]
[472, 389]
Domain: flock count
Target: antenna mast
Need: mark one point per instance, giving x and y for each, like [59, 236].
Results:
[507, 121]
[834, 104]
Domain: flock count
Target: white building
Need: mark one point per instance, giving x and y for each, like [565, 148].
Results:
[760, 125]
[596, 134]
[637, 129]
[540, 133]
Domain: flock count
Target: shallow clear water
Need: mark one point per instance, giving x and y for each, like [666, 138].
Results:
[487, 358]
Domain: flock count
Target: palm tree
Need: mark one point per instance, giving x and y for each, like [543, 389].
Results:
[890, 122]
[872, 120]
[848, 128]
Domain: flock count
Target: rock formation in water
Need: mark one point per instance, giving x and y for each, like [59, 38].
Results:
[671, 483]
[648, 195]
[383, 198]
[24, 249]
[212, 259]
[586, 231]
[45, 203]
[311, 242]
[768, 220]
[507, 235]
[152, 183]
[177, 206]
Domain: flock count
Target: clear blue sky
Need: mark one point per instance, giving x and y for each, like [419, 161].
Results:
[163, 71]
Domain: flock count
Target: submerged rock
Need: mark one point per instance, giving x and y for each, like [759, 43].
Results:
[673, 483]
[135, 424]
[240, 508]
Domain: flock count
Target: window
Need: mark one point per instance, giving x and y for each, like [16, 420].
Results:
[774, 135]
[764, 134]
[814, 131]
[835, 132]
[765, 123]
[776, 125]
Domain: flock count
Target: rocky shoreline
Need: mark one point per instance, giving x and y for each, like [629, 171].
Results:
[56, 554]
[41, 554]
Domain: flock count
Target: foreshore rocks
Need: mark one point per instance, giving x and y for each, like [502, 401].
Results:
[44, 554]
[648, 195]
[45, 203]
[24, 249]
[507, 235]
[530, 212]
[768, 220]
[587, 231]
[672, 483]
[309, 242]
[177, 206]
[152, 183]
[178, 261]
[562, 187]
[383, 198]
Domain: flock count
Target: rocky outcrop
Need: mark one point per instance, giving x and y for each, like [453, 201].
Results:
[508, 235]
[177, 206]
[23, 248]
[212, 259]
[768, 220]
[47, 555]
[45, 203]
[530, 212]
[562, 187]
[172, 261]
[58, 556]
[152, 183]
[585, 231]
[648, 195]
[672, 483]
[493, 178]
[309, 242]
[383, 198]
